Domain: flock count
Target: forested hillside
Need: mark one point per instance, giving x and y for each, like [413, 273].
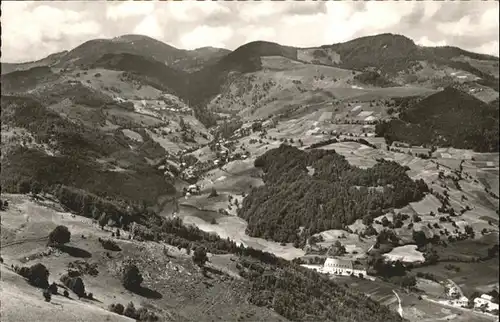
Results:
[334, 196]
[448, 118]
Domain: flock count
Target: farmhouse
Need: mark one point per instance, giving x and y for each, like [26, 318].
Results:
[193, 189]
[400, 144]
[461, 301]
[486, 302]
[420, 150]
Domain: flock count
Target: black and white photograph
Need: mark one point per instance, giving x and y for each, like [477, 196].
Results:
[249, 161]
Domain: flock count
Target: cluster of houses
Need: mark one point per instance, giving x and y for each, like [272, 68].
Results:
[485, 303]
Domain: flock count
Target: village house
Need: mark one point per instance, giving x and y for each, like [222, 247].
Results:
[400, 144]
[486, 302]
[461, 301]
[194, 189]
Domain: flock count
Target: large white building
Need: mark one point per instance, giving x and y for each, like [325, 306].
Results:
[335, 266]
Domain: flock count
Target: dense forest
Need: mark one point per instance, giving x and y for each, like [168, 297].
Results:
[448, 118]
[293, 205]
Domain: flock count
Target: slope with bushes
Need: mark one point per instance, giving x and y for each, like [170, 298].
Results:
[76, 149]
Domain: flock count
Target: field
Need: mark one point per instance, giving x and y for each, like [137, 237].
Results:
[112, 83]
[470, 277]
[230, 226]
[408, 253]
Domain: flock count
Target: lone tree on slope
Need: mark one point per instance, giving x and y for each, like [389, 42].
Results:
[200, 256]
[60, 235]
[132, 277]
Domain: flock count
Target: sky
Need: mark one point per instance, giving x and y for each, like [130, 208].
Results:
[33, 30]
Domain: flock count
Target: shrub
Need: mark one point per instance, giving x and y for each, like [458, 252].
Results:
[90, 296]
[144, 315]
[53, 288]
[200, 256]
[37, 275]
[116, 308]
[132, 277]
[75, 284]
[66, 293]
[47, 295]
[213, 193]
[130, 311]
[109, 244]
[60, 235]
[337, 249]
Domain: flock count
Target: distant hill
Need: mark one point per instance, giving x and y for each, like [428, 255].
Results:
[147, 70]
[24, 80]
[92, 50]
[209, 68]
[392, 54]
[207, 82]
[447, 118]
[381, 57]
[47, 61]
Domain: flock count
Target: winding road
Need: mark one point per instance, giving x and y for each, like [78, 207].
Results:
[400, 308]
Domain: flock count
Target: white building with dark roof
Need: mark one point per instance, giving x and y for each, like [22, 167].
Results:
[338, 266]
[335, 266]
